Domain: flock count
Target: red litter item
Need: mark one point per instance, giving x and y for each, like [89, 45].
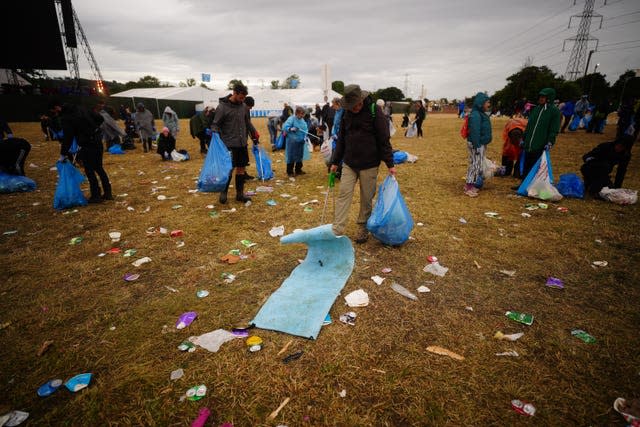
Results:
[523, 408]
[432, 258]
[176, 233]
[114, 251]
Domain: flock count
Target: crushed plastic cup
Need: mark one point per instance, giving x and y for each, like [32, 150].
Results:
[187, 346]
[386, 270]
[141, 261]
[509, 273]
[78, 382]
[131, 277]
[75, 240]
[277, 231]
[176, 233]
[15, 418]
[240, 332]
[403, 291]
[177, 374]
[436, 269]
[554, 282]
[423, 289]
[308, 209]
[50, 387]
[523, 408]
[196, 392]
[432, 258]
[186, 319]
[492, 214]
[248, 243]
[579, 333]
[510, 353]
[271, 202]
[600, 263]
[114, 251]
[115, 236]
[129, 253]
[202, 293]
[349, 318]
[228, 277]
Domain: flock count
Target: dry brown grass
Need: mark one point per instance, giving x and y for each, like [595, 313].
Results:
[54, 291]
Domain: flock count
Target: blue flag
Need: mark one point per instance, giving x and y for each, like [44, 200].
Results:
[206, 77]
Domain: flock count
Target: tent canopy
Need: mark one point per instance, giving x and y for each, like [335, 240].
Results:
[194, 93]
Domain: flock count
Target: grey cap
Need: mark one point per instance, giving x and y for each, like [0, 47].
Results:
[352, 95]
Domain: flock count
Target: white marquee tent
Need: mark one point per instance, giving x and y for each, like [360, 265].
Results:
[268, 101]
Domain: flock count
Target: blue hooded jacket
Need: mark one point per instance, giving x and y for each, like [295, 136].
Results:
[479, 124]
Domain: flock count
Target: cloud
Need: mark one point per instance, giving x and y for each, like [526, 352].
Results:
[454, 48]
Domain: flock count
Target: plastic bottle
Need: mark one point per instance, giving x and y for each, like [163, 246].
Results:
[524, 318]
[403, 291]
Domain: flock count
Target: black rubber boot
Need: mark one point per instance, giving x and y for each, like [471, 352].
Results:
[299, 170]
[223, 194]
[289, 169]
[240, 189]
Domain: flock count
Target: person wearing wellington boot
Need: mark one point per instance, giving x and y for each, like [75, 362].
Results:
[232, 122]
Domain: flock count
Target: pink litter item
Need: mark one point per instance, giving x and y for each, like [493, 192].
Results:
[203, 415]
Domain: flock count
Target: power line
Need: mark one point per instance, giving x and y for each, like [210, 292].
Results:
[620, 16]
[619, 48]
[619, 25]
[520, 33]
[614, 44]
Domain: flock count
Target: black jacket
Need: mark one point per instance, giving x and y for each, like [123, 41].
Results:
[81, 124]
[363, 140]
[606, 156]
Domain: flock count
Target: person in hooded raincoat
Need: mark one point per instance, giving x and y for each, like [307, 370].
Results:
[170, 119]
[144, 122]
[542, 129]
[477, 140]
[295, 129]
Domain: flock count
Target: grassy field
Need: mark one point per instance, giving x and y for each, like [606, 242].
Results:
[123, 332]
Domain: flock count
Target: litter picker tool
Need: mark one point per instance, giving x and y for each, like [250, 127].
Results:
[332, 183]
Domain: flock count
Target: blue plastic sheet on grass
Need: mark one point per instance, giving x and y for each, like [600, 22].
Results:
[570, 185]
[300, 305]
[390, 222]
[68, 193]
[214, 174]
[16, 183]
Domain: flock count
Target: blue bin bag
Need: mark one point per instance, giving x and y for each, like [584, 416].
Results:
[575, 124]
[279, 144]
[116, 149]
[68, 193]
[400, 157]
[570, 185]
[263, 163]
[16, 183]
[214, 175]
[390, 222]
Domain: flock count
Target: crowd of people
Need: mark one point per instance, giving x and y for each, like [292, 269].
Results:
[355, 129]
[533, 129]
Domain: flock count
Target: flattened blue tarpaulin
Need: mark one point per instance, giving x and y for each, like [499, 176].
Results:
[303, 300]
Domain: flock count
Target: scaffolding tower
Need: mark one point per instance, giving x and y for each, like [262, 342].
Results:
[71, 52]
[581, 40]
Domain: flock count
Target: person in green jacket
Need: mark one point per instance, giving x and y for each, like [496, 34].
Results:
[198, 126]
[479, 136]
[542, 129]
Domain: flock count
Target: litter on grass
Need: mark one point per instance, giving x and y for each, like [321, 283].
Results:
[509, 273]
[277, 231]
[423, 289]
[554, 282]
[177, 374]
[403, 291]
[511, 353]
[186, 319]
[436, 269]
[444, 352]
[511, 337]
[357, 298]
[213, 340]
[377, 279]
[141, 261]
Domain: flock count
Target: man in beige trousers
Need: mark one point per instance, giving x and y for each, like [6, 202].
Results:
[363, 142]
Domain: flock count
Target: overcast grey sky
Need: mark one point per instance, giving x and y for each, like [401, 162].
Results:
[452, 47]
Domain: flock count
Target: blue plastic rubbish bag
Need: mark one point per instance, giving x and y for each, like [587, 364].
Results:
[279, 144]
[308, 149]
[575, 123]
[68, 192]
[263, 163]
[400, 157]
[570, 185]
[116, 149]
[390, 222]
[16, 183]
[216, 168]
